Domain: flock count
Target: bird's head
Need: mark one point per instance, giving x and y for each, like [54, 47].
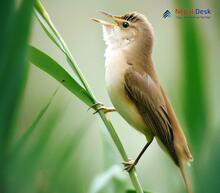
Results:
[127, 29]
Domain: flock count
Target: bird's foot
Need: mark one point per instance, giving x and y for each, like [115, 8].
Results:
[105, 109]
[129, 165]
[100, 107]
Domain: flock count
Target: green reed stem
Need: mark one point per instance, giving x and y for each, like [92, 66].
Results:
[54, 35]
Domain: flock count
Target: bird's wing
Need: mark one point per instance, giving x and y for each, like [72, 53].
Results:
[146, 95]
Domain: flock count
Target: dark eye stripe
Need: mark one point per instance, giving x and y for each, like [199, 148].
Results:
[125, 17]
[130, 17]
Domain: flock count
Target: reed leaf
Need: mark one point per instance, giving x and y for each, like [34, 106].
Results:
[24, 138]
[193, 62]
[15, 22]
[47, 64]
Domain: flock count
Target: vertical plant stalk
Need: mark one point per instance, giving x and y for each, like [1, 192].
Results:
[58, 40]
[61, 44]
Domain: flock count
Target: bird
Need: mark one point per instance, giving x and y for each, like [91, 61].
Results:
[135, 90]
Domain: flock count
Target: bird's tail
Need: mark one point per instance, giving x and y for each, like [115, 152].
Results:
[185, 178]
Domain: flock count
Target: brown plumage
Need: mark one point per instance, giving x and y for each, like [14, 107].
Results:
[159, 116]
[135, 90]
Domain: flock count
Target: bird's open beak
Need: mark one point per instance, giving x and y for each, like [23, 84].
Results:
[116, 19]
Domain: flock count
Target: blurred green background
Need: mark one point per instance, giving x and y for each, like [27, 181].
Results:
[54, 145]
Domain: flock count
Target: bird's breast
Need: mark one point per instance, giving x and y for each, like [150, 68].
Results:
[116, 66]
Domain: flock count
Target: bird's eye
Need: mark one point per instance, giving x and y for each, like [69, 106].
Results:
[125, 24]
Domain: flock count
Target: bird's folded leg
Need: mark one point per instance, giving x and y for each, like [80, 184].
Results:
[100, 107]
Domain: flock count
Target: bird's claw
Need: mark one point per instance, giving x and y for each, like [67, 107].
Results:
[129, 165]
[100, 107]
[104, 109]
